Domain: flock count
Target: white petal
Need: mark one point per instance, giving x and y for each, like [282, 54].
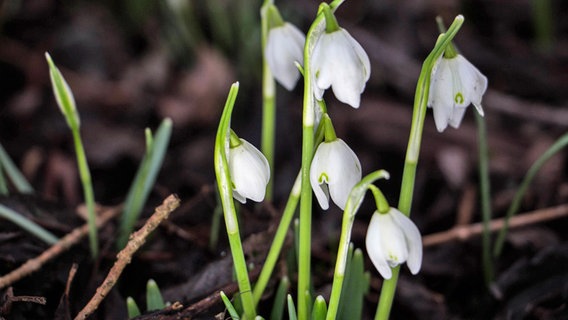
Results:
[346, 172]
[441, 95]
[393, 240]
[318, 171]
[339, 61]
[456, 117]
[459, 88]
[434, 82]
[476, 82]
[337, 165]
[238, 197]
[374, 250]
[413, 239]
[249, 171]
[322, 62]
[284, 47]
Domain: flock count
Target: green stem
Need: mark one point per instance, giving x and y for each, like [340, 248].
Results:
[387, 295]
[561, 143]
[226, 194]
[331, 24]
[413, 151]
[329, 131]
[485, 198]
[268, 100]
[277, 242]
[280, 234]
[351, 207]
[304, 263]
[85, 175]
[380, 200]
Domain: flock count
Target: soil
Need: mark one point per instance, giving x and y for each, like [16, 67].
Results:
[132, 63]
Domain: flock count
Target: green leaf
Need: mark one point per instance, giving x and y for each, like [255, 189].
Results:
[63, 94]
[319, 310]
[145, 179]
[154, 300]
[27, 225]
[291, 309]
[280, 299]
[13, 173]
[132, 308]
[234, 314]
[3, 184]
[356, 286]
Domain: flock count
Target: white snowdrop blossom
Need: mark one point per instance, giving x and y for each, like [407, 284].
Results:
[339, 61]
[454, 84]
[392, 239]
[285, 47]
[249, 172]
[335, 169]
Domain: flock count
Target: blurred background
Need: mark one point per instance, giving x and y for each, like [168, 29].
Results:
[132, 63]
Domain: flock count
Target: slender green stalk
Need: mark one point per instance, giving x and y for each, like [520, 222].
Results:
[413, 151]
[308, 115]
[560, 144]
[283, 226]
[268, 101]
[28, 225]
[85, 175]
[12, 172]
[66, 102]
[351, 207]
[485, 195]
[277, 242]
[387, 295]
[226, 194]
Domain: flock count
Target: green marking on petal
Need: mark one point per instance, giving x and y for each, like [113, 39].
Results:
[459, 98]
[323, 177]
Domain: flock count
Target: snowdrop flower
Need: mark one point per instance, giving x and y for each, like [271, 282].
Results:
[339, 61]
[335, 169]
[285, 47]
[454, 84]
[392, 239]
[249, 172]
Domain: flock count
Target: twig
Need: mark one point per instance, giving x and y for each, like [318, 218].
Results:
[9, 298]
[58, 248]
[124, 257]
[465, 232]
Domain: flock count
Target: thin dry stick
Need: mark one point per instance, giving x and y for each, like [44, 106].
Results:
[124, 257]
[466, 232]
[59, 247]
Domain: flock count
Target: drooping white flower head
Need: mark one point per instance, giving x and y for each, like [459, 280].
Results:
[454, 84]
[285, 47]
[392, 239]
[249, 172]
[335, 169]
[339, 61]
